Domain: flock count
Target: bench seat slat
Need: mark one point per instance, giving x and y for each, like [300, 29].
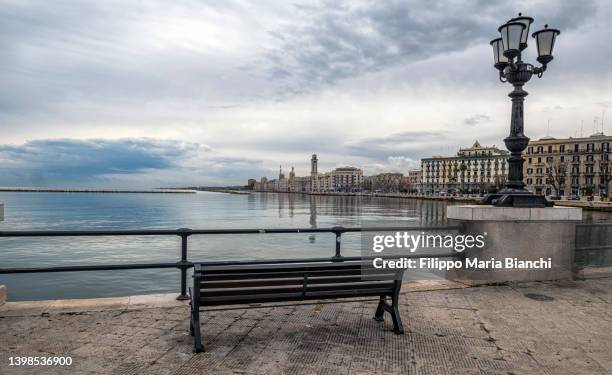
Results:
[282, 267]
[279, 297]
[277, 274]
[211, 284]
[205, 293]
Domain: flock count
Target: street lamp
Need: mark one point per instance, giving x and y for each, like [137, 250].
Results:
[507, 51]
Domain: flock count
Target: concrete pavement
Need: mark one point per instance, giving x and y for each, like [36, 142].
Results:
[532, 328]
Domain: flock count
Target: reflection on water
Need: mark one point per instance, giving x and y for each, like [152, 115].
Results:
[57, 211]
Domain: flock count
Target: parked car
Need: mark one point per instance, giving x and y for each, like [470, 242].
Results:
[574, 197]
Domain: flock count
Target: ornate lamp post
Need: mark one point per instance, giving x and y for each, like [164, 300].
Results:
[507, 51]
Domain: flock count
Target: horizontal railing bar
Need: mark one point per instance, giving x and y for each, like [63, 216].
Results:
[182, 232]
[100, 267]
[328, 259]
[595, 248]
[586, 225]
[110, 267]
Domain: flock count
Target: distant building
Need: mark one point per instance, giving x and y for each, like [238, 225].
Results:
[251, 183]
[282, 184]
[570, 166]
[475, 169]
[413, 183]
[314, 161]
[346, 179]
[385, 182]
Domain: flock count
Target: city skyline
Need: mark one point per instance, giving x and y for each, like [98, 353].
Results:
[125, 94]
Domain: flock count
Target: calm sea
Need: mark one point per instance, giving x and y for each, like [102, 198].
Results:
[72, 211]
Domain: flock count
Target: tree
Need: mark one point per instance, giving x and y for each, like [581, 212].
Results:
[462, 168]
[606, 177]
[555, 174]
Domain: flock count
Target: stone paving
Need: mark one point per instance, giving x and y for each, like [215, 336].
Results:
[534, 328]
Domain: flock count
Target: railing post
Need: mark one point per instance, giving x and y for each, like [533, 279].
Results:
[183, 265]
[338, 232]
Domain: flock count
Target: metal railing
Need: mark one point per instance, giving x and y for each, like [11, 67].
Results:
[184, 233]
[594, 244]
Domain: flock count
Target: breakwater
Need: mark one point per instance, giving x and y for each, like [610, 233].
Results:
[116, 191]
[469, 199]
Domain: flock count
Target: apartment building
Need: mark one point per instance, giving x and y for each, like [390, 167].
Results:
[569, 167]
[475, 169]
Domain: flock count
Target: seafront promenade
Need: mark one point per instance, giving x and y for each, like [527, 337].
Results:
[529, 328]
[586, 205]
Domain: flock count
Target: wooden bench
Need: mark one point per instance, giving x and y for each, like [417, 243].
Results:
[238, 283]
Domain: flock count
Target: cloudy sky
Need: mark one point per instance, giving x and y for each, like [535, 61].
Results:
[120, 93]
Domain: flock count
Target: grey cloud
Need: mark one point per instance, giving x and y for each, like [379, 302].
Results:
[406, 143]
[605, 104]
[339, 39]
[476, 119]
[64, 162]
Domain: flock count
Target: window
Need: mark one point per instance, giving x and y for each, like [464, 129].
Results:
[562, 148]
[576, 158]
[562, 158]
[550, 149]
[605, 147]
[549, 159]
[590, 147]
[529, 170]
[539, 159]
[589, 157]
[576, 147]
[540, 149]
[530, 150]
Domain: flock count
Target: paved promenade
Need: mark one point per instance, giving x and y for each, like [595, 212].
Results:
[536, 328]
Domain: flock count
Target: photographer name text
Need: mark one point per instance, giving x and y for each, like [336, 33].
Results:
[467, 263]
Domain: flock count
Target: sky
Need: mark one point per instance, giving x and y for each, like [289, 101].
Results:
[141, 94]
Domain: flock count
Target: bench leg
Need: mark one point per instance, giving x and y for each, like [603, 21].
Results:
[197, 337]
[379, 316]
[190, 325]
[194, 327]
[398, 328]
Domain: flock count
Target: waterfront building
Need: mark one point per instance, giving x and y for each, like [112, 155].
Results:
[314, 173]
[346, 179]
[413, 181]
[569, 167]
[298, 184]
[475, 169]
[323, 182]
[281, 185]
[384, 182]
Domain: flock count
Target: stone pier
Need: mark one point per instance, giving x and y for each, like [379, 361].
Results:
[525, 234]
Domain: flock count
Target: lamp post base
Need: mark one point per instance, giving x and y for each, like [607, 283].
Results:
[516, 198]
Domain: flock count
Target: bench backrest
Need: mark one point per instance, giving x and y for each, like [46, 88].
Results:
[274, 282]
